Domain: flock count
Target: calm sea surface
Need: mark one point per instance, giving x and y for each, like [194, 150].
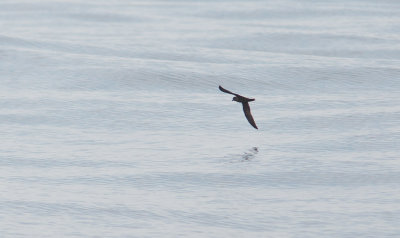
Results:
[112, 124]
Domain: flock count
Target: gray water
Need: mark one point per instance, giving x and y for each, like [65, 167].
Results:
[112, 124]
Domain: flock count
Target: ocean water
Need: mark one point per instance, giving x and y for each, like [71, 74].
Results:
[112, 124]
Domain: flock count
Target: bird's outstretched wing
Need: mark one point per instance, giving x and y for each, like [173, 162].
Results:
[247, 113]
[227, 91]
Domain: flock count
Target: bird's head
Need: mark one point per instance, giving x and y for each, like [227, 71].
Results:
[235, 99]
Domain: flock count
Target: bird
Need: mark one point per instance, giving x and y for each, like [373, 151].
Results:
[245, 102]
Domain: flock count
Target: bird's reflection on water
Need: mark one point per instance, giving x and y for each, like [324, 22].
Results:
[250, 154]
[247, 155]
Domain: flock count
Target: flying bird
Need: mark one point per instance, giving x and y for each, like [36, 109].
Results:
[245, 102]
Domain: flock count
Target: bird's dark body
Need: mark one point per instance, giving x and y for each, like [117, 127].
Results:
[245, 102]
[242, 99]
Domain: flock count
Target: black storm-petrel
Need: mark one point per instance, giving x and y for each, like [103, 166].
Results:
[245, 102]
